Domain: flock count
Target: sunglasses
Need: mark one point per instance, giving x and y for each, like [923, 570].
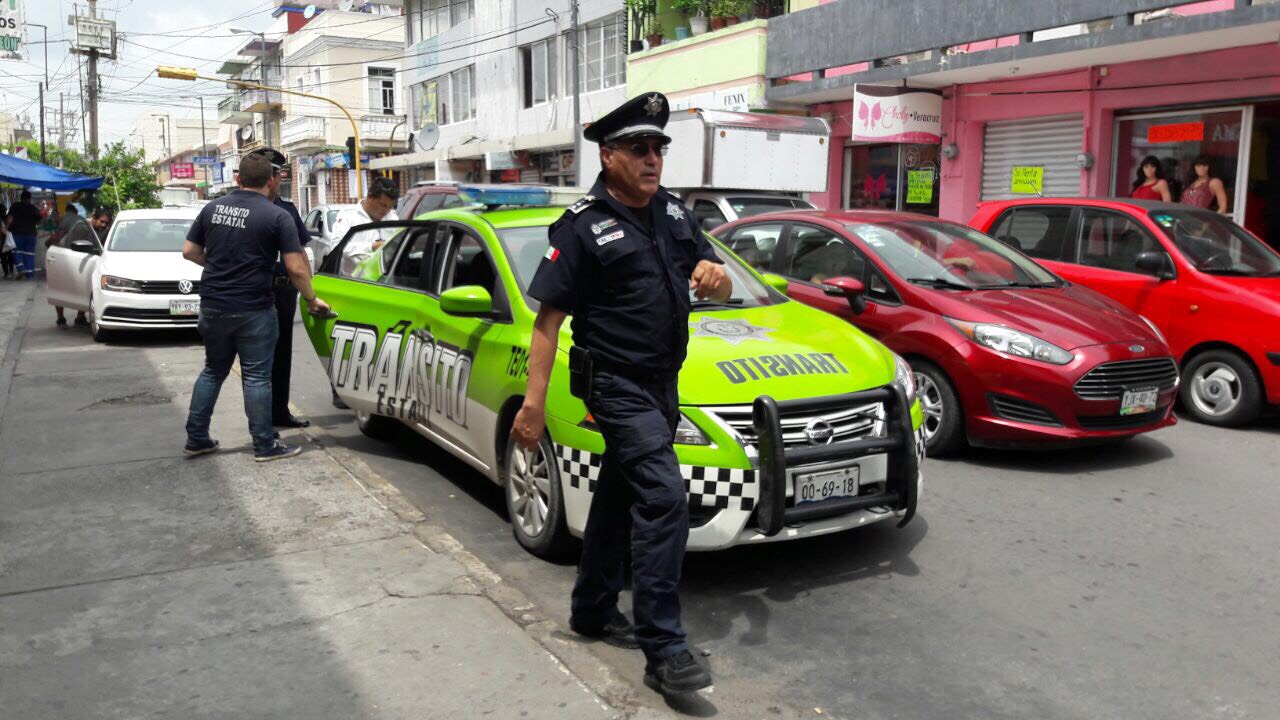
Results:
[641, 150]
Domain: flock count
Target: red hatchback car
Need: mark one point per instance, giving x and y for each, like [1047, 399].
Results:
[1211, 287]
[1005, 352]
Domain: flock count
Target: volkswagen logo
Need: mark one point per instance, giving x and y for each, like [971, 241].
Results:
[1136, 348]
[819, 432]
[184, 287]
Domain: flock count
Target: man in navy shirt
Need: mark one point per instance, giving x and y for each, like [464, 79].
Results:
[237, 240]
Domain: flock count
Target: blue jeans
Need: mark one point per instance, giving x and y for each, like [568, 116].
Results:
[251, 335]
[25, 254]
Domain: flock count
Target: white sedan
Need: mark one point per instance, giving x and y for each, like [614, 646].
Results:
[137, 281]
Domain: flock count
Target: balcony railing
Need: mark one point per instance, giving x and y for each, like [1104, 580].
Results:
[230, 111]
[379, 127]
[303, 129]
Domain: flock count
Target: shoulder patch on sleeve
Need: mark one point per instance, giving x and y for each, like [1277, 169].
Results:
[585, 202]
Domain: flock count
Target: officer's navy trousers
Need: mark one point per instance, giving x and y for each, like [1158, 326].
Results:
[286, 299]
[639, 501]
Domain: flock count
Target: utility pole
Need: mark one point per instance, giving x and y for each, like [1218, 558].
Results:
[204, 147]
[93, 90]
[41, 122]
[577, 100]
[62, 118]
[45, 85]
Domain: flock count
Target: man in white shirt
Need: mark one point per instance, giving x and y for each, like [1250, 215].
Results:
[379, 205]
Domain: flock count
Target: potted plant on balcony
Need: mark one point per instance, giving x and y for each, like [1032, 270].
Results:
[695, 11]
[734, 10]
[641, 14]
[653, 32]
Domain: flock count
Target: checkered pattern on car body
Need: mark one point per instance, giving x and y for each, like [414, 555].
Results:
[708, 487]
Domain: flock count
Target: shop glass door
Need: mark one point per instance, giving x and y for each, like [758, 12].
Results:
[1176, 140]
[891, 176]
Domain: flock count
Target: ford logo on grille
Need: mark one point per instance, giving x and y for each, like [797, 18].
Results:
[819, 432]
[184, 287]
[1136, 348]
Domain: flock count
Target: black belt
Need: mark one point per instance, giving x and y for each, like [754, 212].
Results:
[630, 372]
[280, 281]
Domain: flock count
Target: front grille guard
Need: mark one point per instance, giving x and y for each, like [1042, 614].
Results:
[899, 442]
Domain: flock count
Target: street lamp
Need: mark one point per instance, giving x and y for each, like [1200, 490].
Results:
[189, 74]
[262, 69]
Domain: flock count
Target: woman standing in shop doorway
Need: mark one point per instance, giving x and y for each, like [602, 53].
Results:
[1203, 189]
[1150, 183]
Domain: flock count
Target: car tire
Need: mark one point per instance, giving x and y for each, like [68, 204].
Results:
[943, 415]
[96, 331]
[377, 427]
[535, 499]
[1219, 387]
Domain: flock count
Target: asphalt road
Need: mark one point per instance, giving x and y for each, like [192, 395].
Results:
[1130, 581]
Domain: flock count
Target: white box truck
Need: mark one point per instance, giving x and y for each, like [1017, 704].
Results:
[727, 165]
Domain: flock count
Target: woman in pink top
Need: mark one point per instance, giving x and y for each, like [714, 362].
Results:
[1204, 190]
[1150, 183]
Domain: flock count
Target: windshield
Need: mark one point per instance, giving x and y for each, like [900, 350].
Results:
[526, 246]
[749, 206]
[1216, 245]
[944, 254]
[149, 235]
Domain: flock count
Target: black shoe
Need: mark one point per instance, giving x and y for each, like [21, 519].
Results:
[193, 449]
[279, 451]
[290, 421]
[81, 321]
[61, 323]
[618, 632]
[676, 675]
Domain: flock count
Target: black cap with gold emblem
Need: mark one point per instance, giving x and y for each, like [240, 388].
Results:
[645, 114]
[274, 156]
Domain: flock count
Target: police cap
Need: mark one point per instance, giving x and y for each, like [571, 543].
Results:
[274, 156]
[645, 114]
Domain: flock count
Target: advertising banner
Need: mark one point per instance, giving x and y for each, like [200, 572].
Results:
[183, 171]
[896, 114]
[13, 43]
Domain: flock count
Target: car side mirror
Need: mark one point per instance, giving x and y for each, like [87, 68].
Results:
[1155, 262]
[313, 232]
[852, 289]
[775, 281]
[467, 301]
[85, 246]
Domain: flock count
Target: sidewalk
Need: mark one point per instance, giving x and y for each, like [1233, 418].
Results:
[136, 582]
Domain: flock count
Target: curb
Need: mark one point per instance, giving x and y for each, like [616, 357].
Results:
[575, 659]
[9, 352]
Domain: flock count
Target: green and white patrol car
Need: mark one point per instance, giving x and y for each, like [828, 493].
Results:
[794, 423]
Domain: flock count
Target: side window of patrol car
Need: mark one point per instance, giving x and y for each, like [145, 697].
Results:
[468, 264]
[409, 271]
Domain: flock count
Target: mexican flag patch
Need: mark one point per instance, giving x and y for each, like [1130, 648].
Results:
[552, 254]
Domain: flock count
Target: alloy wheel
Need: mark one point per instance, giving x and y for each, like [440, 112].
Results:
[529, 489]
[1216, 389]
[930, 404]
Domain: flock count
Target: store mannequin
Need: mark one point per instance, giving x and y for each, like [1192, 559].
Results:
[1150, 183]
[1203, 189]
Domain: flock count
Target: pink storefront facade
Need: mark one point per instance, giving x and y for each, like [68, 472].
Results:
[1222, 103]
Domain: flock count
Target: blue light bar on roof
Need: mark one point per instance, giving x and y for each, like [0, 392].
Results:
[519, 195]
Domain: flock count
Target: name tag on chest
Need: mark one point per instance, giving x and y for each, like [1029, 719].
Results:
[606, 239]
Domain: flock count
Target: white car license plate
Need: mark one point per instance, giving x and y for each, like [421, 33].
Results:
[828, 484]
[1138, 401]
[184, 307]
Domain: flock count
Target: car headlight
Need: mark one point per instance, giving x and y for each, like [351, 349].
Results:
[1013, 342]
[1154, 329]
[904, 377]
[688, 434]
[119, 284]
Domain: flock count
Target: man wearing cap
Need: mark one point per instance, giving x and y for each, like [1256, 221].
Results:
[286, 301]
[623, 261]
[237, 239]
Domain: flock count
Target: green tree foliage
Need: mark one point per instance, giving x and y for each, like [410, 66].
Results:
[130, 181]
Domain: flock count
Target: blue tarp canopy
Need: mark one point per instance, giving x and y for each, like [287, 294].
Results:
[33, 174]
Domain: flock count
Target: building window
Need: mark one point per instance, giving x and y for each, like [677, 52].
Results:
[540, 66]
[382, 91]
[447, 99]
[601, 59]
[436, 16]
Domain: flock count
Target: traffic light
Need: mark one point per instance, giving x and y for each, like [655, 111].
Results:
[351, 150]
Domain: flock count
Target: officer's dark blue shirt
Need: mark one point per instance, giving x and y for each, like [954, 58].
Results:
[242, 234]
[304, 235]
[626, 287]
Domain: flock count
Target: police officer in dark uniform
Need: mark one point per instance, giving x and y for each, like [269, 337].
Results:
[623, 261]
[286, 298]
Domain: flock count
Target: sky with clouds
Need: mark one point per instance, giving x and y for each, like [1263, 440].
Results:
[188, 33]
